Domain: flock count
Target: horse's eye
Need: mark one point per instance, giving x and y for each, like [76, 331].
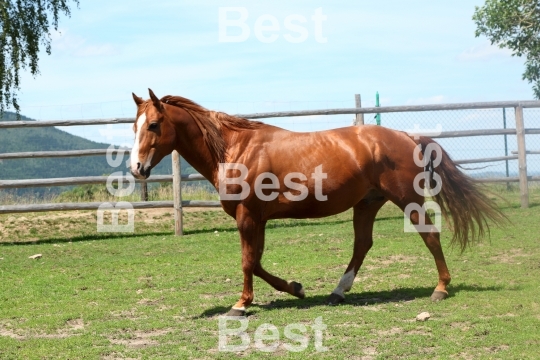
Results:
[153, 126]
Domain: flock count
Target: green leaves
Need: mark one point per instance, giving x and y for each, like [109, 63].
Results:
[514, 24]
[26, 26]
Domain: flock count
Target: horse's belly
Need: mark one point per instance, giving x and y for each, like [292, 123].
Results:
[318, 206]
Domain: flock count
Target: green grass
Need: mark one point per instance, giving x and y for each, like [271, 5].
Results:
[153, 295]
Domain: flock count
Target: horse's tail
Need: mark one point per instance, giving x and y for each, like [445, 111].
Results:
[461, 199]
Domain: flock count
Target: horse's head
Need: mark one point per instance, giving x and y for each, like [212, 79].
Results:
[155, 135]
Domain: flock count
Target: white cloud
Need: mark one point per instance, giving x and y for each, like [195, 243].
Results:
[484, 52]
[96, 50]
[64, 42]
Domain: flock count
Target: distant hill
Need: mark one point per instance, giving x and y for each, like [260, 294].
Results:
[53, 139]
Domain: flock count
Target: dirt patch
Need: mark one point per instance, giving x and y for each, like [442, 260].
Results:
[129, 314]
[75, 324]
[71, 328]
[463, 326]
[66, 215]
[11, 334]
[371, 306]
[420, 331]
[145, 279]
[379, 263]
[506, 315]
[224, 295]
[32, 227]
[149, 302]
[370, 351]
[510, 257]
[37, 226]
[139, 339]
[463, 355]
[496, 349]
[157, 215]
[116, 356]
[90, 214]
[390, 332]
[151, 216]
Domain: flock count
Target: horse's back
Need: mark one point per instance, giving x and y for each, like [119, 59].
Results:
[350, 161]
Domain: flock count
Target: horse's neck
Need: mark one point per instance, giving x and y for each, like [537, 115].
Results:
[191, 146]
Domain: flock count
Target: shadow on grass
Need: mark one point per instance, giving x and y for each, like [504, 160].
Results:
[112, 236]
[289, 224]
[355, 299]
[93, 237]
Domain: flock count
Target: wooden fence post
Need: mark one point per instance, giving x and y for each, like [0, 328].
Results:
[144, 191]
[522, 157]
[359, 117]
[177, 193]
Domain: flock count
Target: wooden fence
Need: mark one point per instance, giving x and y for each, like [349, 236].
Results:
[177, 204]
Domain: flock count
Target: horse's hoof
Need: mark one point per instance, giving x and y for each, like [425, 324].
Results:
[298, 290]
[236, 312]
[335, 299]
[439, 295]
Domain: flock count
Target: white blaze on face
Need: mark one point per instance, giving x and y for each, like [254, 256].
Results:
[345, 284]
[148, 161]
[135, 150]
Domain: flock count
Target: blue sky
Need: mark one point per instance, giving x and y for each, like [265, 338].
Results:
[412, 52]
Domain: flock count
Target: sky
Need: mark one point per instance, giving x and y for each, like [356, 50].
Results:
[297, 55]
[412, 52]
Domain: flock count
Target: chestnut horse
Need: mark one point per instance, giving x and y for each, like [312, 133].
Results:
[361, 167]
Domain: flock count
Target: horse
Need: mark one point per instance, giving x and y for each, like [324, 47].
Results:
[359, 167]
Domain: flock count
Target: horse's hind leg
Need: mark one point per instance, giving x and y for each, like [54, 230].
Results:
[433, 243]
[277, 283]
[363, 219]
[431, 239]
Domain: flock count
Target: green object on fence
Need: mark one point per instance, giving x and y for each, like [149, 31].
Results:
[377, 104]
[506, 146]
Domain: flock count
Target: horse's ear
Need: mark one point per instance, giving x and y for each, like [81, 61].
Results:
[137, 99]
[157, 103]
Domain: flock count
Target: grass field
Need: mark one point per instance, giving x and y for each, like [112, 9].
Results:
[152, 295]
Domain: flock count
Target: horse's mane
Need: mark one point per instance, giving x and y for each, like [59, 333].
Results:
[211, 124]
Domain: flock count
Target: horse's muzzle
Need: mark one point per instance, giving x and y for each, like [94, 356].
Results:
[141, 172]
[145, 173]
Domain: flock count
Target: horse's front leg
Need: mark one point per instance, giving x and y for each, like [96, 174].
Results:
[250, 230]
[252, 240]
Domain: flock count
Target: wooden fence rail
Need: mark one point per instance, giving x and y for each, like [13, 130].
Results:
[8, 209]
[354, 111]
[507, 179]
[94, 152]
[10, 184]
[177, 204]
[57, 154]
[484, 160]
[84, 180]
[485, 132]
[529, 152]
